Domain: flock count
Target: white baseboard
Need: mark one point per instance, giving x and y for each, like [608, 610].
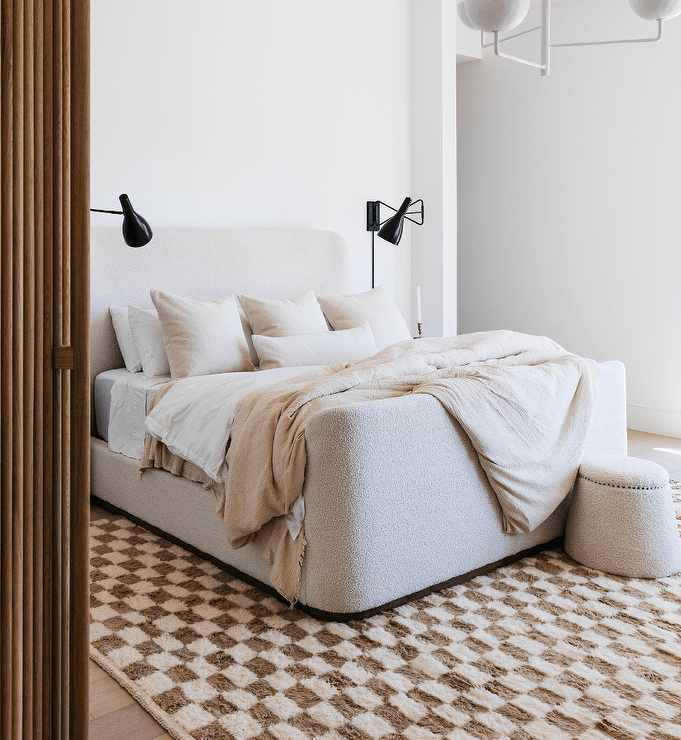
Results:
[655, 421]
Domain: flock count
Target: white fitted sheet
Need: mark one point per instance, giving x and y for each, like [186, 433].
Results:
[121, 402]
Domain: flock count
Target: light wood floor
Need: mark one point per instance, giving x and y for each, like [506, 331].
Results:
[115, 715]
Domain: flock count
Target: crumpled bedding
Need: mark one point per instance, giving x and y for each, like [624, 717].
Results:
[525, 403]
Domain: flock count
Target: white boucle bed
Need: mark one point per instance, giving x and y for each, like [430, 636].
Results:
[396, 501]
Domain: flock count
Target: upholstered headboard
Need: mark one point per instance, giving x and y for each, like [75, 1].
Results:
[206, 264]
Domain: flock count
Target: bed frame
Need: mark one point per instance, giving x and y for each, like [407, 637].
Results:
[396, 502]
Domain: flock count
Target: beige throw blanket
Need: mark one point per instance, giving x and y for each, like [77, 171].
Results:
[524, 402]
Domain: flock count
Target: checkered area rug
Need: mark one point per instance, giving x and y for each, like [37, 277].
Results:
[543, 649]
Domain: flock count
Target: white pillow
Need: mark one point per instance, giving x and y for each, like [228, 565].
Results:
[322, 348]
[126, 343]
[375, 306]
[201, 337]
[146, 331]
[274, 318]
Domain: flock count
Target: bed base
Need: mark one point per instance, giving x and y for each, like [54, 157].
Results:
[318, 613]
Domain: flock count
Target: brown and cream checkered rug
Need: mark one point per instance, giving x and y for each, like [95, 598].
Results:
[543, 649]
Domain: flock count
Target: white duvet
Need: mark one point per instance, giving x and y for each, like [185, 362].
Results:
[195, 418]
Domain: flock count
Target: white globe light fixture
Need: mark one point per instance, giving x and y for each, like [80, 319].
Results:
[656, 10]
[499, 16]
[493, 15]
[463, 15]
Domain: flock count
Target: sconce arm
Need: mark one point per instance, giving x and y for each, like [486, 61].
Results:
[420, 212]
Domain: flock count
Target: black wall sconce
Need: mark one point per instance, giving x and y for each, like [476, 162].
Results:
[391, 228]
[136, 230]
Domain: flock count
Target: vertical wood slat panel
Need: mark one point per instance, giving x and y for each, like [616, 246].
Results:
[59, 646]
[28, 357]
[19, 83]
[44, 413]
[79, 269]
[39, 653]
[6, 329]
[50, 645]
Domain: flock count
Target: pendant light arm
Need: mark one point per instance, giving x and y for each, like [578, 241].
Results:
[499, 53]
[487, 44]
[616, 41]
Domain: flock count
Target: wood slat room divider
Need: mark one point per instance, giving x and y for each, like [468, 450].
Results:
[44, 376]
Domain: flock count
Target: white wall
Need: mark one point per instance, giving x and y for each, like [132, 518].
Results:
[569, 200]
[240, 113]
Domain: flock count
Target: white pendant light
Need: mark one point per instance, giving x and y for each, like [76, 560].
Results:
[656, 10]
[463, 15]
[497, 16]
[493, 15]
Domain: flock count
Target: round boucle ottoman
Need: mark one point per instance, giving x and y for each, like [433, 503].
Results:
[621, 518]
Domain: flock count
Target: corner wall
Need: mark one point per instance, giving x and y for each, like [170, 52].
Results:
[569, 192]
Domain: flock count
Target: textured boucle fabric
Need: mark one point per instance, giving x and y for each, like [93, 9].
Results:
[621, 518]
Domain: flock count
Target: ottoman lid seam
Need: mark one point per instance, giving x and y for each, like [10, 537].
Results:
[614, 485]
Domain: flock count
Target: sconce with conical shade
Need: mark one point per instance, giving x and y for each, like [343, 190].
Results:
[136, 229]
[391, 228]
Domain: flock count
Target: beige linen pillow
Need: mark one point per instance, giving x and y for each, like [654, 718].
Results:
[276, 318]
[201, 337]
[375, 306]
[321, 348]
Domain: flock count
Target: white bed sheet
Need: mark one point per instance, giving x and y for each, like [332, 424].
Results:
[128, 396]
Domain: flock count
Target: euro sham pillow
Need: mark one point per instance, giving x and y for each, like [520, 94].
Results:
[284, 318]
[375, 306]
[146, 332]
[126, 342]
[321, 348]
[201, 337]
